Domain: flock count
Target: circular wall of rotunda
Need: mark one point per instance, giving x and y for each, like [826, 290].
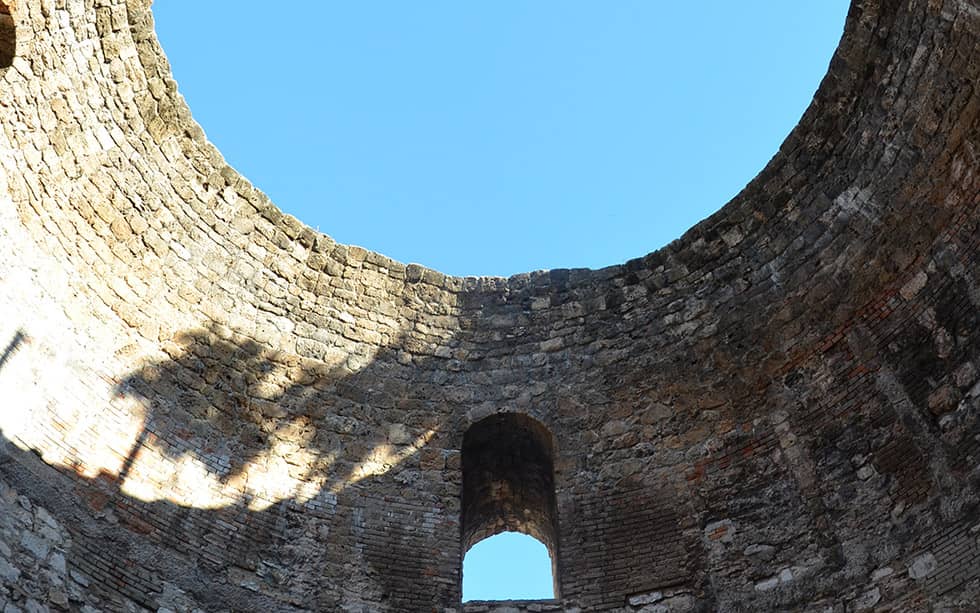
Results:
[206, 405]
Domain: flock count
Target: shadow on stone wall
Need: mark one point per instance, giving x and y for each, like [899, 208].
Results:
[338, 446]
[18, 339]
[8, 36]
[239, 409]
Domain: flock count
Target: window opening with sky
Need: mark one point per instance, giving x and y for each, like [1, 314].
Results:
[508, 566]
[508, 486]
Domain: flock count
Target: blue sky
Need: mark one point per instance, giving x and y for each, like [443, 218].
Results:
[508, 566]
[491, 138]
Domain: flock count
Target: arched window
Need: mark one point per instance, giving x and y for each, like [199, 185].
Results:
[509, 483]
[7, 36]
[508, 566]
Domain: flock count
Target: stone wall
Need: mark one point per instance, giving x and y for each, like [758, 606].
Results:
[206, 405]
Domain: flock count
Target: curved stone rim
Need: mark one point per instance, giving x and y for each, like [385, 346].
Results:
[725, 218]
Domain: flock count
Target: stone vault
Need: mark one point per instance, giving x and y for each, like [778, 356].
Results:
[206, 405]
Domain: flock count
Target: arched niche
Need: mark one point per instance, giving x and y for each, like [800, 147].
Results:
[509, 482]
[8, 37]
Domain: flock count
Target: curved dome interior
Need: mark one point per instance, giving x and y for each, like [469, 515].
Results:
[208, 405]
[498, 139]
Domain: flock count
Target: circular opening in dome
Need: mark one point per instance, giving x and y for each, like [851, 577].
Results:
[8, 38]
[499, 138]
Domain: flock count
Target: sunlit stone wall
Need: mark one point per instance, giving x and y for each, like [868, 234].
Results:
[204, 404]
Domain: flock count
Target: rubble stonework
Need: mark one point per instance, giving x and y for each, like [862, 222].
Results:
[206, 405]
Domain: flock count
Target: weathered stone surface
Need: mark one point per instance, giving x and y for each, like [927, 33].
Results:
[207, 406]
[922, 566]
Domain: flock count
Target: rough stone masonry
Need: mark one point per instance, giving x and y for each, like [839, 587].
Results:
[207, 406]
